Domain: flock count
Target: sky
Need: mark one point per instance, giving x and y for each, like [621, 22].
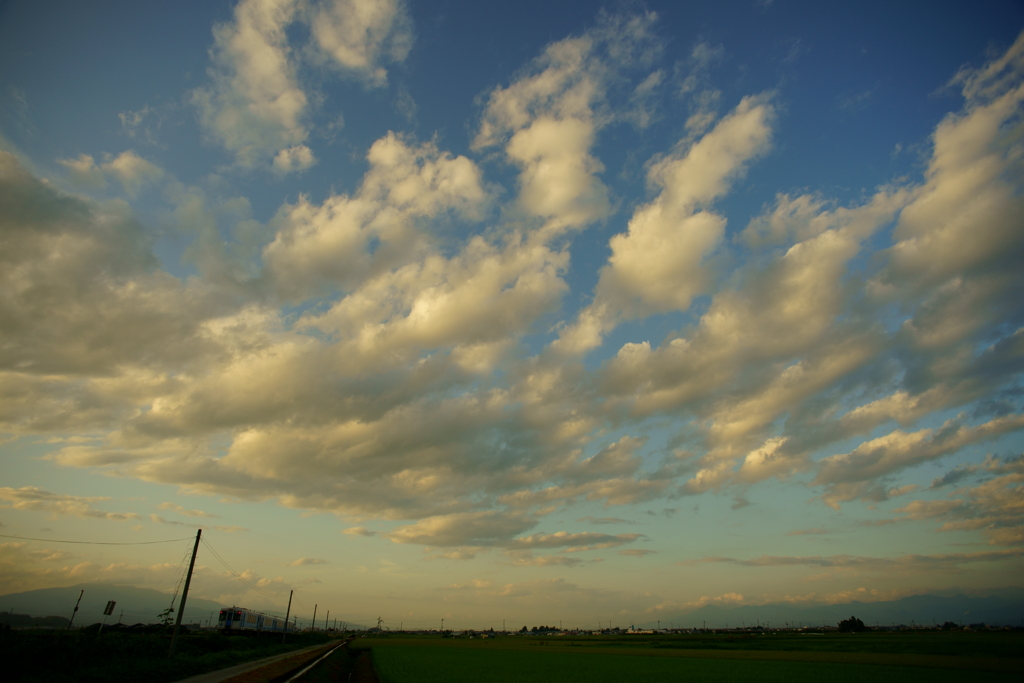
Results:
[528, 311]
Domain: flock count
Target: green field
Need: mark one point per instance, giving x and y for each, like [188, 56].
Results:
[932, 657]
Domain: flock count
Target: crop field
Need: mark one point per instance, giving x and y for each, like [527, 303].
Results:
[930, 657]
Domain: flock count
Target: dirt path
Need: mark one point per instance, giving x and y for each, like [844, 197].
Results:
[238, 669]
[363, 672]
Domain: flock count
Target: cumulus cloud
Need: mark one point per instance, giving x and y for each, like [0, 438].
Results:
[345, 241]
[256, 105]
[496, 529]
[372, 363]
[358, 531]
[587, 540]
[360, 36]
[294, 158]
[183, 511]
[548, 119]
[128, 168]
[657, 265]
[463, 529]
[853, 475]
[303, 561]
[993, 507]
[57, 504]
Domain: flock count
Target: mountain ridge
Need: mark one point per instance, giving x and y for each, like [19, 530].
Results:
[136, 604]
[926, 609]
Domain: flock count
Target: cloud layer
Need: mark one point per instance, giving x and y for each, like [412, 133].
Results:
[375, 354]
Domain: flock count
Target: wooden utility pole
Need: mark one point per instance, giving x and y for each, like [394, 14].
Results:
[184, 594]
[313, 625]
[286, 615]
[72, 614]
[327, 621]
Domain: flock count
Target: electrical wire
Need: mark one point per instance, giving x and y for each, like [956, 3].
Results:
[54, 540]
[236, 574]
[180, 573]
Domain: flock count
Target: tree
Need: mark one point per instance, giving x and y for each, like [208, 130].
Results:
[852, 625]
[165, 617]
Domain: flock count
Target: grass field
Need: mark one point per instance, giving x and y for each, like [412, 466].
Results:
[932, 657]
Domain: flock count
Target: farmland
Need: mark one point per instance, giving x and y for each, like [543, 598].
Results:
[926, 656]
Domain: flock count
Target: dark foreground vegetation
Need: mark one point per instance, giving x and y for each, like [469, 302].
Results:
[124, 655]
[926, 656]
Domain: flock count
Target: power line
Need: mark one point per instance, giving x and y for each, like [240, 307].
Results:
[54, 540]
[180, 573]
[234, 573]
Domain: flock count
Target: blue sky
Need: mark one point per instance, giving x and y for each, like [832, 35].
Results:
[483, 310]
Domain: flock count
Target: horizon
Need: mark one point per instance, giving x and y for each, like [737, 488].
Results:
[443, 310]
[797, 616]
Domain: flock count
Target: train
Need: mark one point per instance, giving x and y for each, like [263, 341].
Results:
[234, 619]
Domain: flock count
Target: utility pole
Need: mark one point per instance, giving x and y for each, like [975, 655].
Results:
[313, 627]
[286, 615]
[327, 621]
[72, 614]
[184, 594]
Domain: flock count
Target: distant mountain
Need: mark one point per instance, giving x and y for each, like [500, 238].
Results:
[140, 605]
[916, 609]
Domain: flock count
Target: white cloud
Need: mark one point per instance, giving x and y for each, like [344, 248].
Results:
[331, 244]
[295, 158]
[361, 36]
[84, 171]
[255, 107]
[58, 505]
[402, 387]
[848, 476]
[550, 117]
[587, 540]
[994, 507]
[657, 265]
[184, 511]
[131, 170]
[463, 529]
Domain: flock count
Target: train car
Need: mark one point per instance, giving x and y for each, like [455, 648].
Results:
[240, 619]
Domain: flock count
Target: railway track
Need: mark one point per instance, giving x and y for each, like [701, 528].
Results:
[341, 664]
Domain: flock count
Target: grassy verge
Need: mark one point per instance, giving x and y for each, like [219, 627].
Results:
[276, 671]
[84, 657]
